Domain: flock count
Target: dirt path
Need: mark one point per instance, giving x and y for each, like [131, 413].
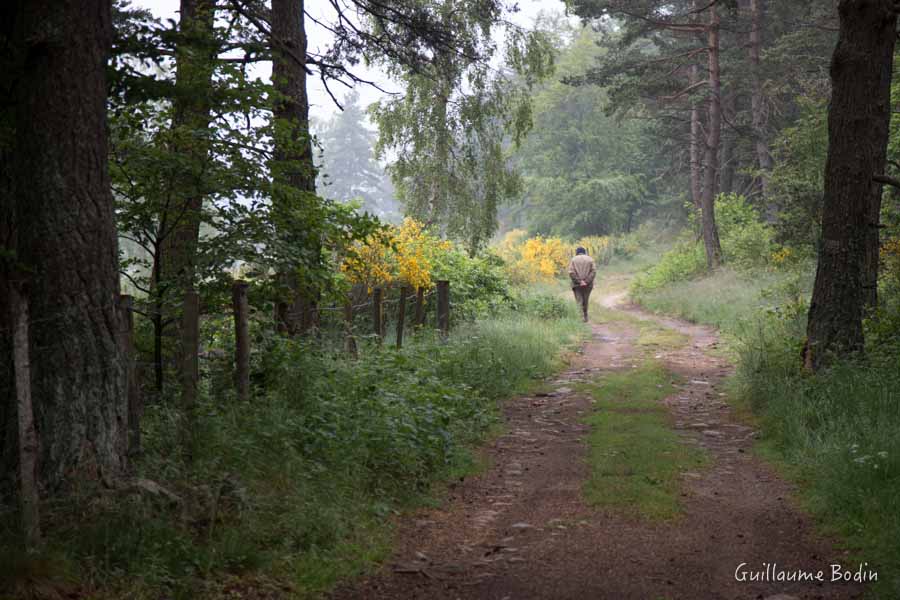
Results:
[522, 529]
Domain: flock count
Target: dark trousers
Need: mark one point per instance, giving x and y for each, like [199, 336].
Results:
[582, 294]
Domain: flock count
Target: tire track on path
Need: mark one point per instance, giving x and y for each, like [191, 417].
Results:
[522, 529]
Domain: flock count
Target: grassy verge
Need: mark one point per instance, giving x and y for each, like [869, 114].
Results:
[727, 299]
[636, 458]
[837, 434]
[290, 493]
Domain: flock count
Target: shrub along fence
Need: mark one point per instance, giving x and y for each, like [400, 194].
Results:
[407, 310]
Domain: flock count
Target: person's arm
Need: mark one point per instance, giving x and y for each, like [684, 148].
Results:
[573, 275]
[592, 272]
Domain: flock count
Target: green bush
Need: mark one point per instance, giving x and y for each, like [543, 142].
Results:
[746, 241]
[747, 244]
[479, 285]
[543, 305]
[686, 260]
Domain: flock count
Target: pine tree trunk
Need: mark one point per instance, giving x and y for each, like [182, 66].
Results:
[726, 169]
[711, 149]
[66, 263]
[293, 152]
[8, 420]
[180, 231]
[858, 118]
[695, 146]
[757, 107]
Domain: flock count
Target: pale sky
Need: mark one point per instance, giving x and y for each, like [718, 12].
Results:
[321, 106]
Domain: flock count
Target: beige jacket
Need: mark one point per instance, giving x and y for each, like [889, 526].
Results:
[581, 267]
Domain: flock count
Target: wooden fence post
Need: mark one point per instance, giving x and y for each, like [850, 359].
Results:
[401, 315]
[419, 318]
[377, 312]
[241, 339]
[28, 442]
[443, 307]
[135, 404]
[349, 340]
[190, 368]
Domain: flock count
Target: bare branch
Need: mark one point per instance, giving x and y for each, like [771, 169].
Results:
[887, 179]
[686, 90]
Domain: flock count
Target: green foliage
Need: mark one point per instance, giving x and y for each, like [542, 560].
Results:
[838, 433]
[685, 260]
[543, 305]
[449, 130]
[746, 241]
[479, 284]
[297, 485]
[797, 180]
[726, 298]
[197, 194]
[589, 206]
[747, 244]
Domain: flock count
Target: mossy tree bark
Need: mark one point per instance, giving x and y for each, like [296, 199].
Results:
[58, 213]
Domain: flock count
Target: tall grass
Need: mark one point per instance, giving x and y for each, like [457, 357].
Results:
[838, 432]
[726, 299]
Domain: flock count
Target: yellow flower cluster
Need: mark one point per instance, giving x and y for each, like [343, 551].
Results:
[783, 257]
[599, 247]
[401, 255]
[534, 259]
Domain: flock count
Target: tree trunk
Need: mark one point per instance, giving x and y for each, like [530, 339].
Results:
[29, 498]
[8, 421]
[726, 170]
[180, 221]
[711, 149]
[695, 145]
[858, 118]
[66, 262]
[293, 145]
[757, 106]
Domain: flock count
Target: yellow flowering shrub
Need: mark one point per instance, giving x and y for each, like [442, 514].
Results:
[599, 247]
[529, 260]
[401, 255]
[534, 259]
[782, 257]
[510, 247]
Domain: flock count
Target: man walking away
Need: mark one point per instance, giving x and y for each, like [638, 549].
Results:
[582, 272]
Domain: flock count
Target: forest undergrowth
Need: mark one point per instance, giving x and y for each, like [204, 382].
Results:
[296, 489]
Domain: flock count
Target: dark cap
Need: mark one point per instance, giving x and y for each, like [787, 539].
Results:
[580, 250]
